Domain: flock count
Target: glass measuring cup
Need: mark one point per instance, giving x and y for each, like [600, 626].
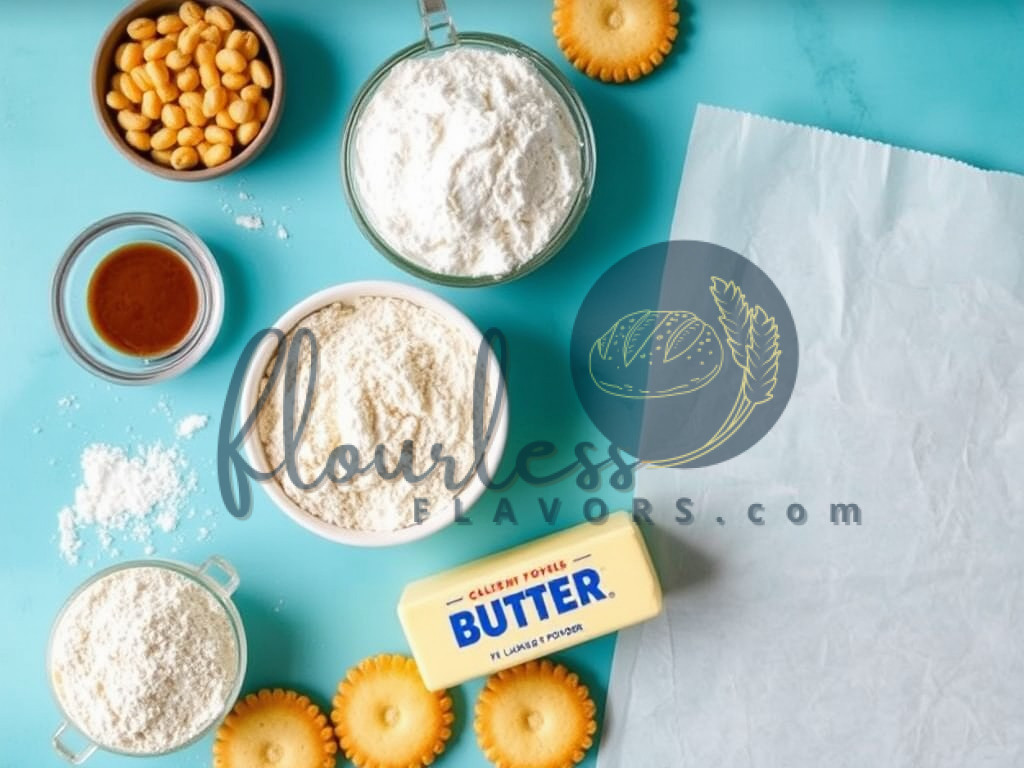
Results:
[219, 579]
[439, 37]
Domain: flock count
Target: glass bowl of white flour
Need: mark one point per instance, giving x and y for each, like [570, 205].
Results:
[468, 161]
[399, 374]
[145, 658]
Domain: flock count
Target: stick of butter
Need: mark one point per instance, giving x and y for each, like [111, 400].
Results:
[529, 601]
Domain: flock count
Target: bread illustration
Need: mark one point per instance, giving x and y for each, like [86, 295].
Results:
[656, 354]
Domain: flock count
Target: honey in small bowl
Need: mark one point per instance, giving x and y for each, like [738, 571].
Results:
[143, 299]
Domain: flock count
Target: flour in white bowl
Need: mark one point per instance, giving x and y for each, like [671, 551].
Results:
[389, 371]
[467, 163]
[144, 660]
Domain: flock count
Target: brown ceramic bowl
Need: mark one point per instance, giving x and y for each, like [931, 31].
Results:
[103, 68]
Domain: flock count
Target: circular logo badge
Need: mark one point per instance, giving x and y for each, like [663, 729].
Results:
[684, 354]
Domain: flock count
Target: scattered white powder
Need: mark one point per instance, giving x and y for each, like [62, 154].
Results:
[244, 196]
[68, 541]
[144, 660]
[282, 233]
[468, 162]
[191, 424]
[389, 371]
[68, 403]
[249, 222]
[125, 495]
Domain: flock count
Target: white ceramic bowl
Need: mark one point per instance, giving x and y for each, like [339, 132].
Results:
[254, 448]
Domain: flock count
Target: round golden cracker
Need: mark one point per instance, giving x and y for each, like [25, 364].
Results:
[385, 717]
[536, 715]
[275, 729]
[616, 40]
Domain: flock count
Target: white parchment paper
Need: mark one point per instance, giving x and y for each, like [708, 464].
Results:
[899, 642]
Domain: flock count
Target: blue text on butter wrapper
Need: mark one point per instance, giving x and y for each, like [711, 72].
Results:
[559, 595]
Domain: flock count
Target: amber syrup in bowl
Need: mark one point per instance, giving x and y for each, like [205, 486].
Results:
[143, 299]
[137, 298]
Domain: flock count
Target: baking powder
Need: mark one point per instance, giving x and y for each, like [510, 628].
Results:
[467, 163]
[144, 660]
[389, 371]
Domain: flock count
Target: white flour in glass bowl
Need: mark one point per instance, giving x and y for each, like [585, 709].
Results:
[467, 163]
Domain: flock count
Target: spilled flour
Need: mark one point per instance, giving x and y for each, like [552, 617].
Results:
[122, 494]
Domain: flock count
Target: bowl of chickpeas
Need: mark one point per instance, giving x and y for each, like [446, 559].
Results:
[188, 91]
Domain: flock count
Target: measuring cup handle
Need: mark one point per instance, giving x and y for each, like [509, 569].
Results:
[438, 29]
[227, 581]
[69, 754]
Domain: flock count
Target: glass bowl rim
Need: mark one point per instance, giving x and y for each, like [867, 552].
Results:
[577, 111]
[208, 282]
[196, 574]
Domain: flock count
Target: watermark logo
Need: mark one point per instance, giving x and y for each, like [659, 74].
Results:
[684, 354]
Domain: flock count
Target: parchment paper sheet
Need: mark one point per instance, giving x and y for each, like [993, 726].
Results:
[899, 642]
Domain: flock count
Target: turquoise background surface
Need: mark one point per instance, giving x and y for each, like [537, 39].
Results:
[941, 76]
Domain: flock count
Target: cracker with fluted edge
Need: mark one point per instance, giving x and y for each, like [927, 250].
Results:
[616, 40]
[536, 715]
[275, 728]
[385, 717]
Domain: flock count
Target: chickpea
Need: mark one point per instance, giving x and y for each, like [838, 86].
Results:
[132, 121]
[220, 18]
[247, 132]
[217, 135]
[128, 56]
[190, 13]
[151, 105]
[216, 155]
[167, 92]
[242, 111]
[158, 50]
[177, 61]
[189, 40]
[191, 99]
[234, 81]
[250, 44]
[118, 101]
[209, 76]
[262, 109]
[190, 136]
[205, 53]
[223, 119]
[212, 35]
[184, 158]
[157, 72]
[215, 100]
[251, 93]
[173, 117]
[195, 116]
[165, 138]
[235, 40]
[162, 156]
[138, 140]
[169, 24]
[188, 79]
[126, 85]
[141, 78]
[260, 73]
[141, 29]
[230, 61]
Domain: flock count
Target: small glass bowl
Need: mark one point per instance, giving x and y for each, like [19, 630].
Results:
[561, 86]
[219, 578]
[71, 287]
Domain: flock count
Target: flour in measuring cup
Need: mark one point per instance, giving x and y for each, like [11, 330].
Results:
[144, 660]
[467, 163]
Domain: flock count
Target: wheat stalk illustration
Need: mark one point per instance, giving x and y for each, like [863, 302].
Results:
[753, 338]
